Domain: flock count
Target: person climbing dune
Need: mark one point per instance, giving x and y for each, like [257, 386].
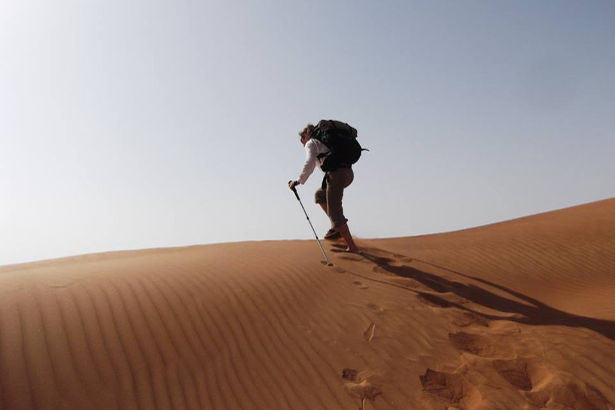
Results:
[331, 145]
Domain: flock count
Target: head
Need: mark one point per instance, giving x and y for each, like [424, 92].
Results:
[306, 133]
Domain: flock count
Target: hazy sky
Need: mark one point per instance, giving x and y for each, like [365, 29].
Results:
[138, 124]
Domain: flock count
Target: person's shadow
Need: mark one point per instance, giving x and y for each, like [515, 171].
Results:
[532, 313]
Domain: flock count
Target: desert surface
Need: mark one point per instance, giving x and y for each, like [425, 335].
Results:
[513, 315]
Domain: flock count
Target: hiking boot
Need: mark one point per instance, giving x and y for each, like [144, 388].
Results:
[332, 234]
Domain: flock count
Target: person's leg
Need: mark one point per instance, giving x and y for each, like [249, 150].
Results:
[323, 205]
[320, 197]
[343, 229]
[338, 180]
[332, 233]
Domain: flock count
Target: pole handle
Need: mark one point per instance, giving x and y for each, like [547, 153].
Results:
[295, 191]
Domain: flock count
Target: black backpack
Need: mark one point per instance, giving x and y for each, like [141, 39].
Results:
[341, 139]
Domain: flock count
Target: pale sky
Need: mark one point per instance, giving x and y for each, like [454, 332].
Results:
[140, 124]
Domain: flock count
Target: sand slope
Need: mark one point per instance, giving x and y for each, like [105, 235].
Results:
[507, 316]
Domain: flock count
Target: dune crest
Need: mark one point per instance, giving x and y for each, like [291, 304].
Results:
[513, 315]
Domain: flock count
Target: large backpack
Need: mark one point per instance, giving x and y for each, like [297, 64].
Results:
[341, 139]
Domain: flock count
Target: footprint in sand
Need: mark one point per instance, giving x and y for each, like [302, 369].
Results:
[379, 269]
[374, 307]
[360, 284]
[358, 385]
[514, 372]
[481, 345]
[466, 319]
[448, 386]
[558, 389]
[349, 374]
[452, 387]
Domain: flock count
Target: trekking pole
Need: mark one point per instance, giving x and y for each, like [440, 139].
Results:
[313, 230]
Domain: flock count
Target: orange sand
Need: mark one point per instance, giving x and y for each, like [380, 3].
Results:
[515, 315]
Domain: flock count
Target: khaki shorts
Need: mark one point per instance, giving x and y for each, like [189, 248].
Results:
[332, 196]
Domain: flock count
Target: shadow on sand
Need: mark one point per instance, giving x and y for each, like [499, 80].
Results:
[532, 313]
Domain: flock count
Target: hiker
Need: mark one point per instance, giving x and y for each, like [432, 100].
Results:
[329, 196]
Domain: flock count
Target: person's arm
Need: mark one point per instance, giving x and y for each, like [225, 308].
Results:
[310, 162]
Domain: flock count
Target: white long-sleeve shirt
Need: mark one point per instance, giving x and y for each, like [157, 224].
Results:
[313, 148]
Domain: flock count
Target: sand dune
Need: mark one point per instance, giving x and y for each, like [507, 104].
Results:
[515, 315]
